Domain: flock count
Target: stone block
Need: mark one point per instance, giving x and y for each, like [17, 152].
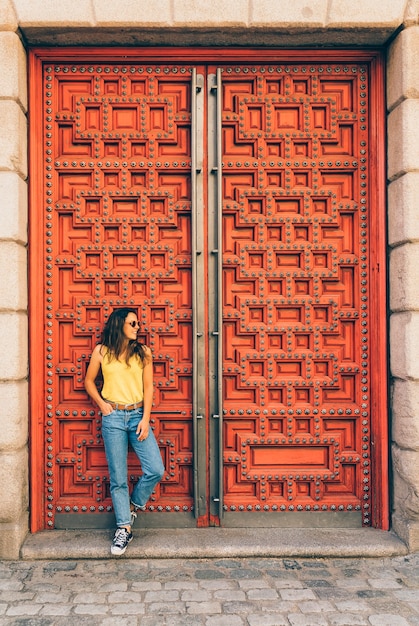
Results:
[13, 81]
[404, 292]
[404, 345]
[402, 67]
[411, 13]
[400, 491]
[65, 13]
[363, 12]
[132, 13]
[13, 415]
[405, 423]
[405, 521]
[407, 531]
[13, 285]
[406, 469]
[403, 209]
[12, 537]
[8, 20]
[14, 338]
[199, 22]
[13, 138]
[211, 14]
[403, 146]
[14, 494]
[405, 398]
[14, 213]
[296, 14]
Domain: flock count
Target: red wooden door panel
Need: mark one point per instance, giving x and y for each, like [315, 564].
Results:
[296, 288]
[118, 215]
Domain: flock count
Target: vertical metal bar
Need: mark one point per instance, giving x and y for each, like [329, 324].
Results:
[220, 292]
[198, 357]
[194, 299]
[215, 286]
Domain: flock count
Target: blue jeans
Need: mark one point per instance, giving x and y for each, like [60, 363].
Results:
[119, 429]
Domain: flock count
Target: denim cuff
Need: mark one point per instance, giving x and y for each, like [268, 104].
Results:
[142, 507]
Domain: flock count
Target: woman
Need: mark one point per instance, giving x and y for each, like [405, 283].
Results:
[125, 403]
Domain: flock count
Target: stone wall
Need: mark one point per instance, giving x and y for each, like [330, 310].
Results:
[403, 239]
[309, 23]
[14, 474]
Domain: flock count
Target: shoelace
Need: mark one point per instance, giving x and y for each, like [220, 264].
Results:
[120, 536]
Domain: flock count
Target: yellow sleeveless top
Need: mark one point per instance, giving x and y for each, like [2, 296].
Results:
[122, 383]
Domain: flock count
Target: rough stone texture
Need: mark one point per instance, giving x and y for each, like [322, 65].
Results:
[173, 592]
[12, 536]
[407, 530]
[403, 234]
[14, 415]
[405, 428]
[405, 84]
[406, 465]
[404, 345]
[13, 493]
[403, 209]
[14, 334]
[13, 285]
[131, 12]
[14, 199]
[403, 521]
[404, 292]
[13, 135]
[230, 543]
[406, 490]
[14, 472]
[199, 22]
[8, 20]
[307, 14]
[202, 13]
[345, 12]
[13, 83]
[411, 13]
[50, 13]
[403, 123]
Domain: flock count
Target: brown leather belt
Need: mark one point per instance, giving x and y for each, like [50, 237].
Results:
[125, 407]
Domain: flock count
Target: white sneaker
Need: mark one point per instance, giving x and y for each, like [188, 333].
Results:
[120, 541]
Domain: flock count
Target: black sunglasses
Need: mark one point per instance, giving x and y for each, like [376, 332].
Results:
[134, 324]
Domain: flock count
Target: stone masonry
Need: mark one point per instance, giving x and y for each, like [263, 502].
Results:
[393, 24]
[403, 240]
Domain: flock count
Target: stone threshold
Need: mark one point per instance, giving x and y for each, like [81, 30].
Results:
[200, 543]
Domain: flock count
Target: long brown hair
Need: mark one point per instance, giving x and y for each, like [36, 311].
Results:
[114, 339]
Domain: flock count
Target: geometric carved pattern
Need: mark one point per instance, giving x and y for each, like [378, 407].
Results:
[295, 299]
[117, 181]
[118, 232]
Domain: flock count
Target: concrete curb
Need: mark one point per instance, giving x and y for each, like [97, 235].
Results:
[215, 543]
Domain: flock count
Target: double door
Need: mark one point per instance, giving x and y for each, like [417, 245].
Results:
[235, 205]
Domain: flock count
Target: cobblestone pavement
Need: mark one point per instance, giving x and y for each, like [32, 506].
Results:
[211, 592]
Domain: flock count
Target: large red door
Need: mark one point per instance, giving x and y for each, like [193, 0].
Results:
[296, 299]
[236, 206]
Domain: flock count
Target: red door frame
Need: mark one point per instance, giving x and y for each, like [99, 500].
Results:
[377, 198]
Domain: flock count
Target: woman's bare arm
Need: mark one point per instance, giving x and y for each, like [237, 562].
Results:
[89, 381]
